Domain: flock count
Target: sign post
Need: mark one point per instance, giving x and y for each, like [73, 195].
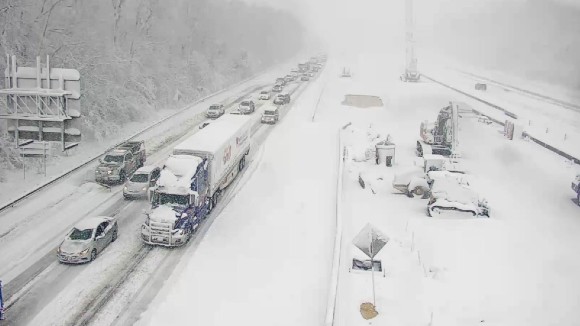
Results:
[1, 303]
[370, 241]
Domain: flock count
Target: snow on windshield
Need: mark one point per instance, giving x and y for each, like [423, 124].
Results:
[77, 234]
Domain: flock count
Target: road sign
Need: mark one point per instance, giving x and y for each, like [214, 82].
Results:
[370, 240]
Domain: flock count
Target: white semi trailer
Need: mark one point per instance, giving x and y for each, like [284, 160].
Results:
[193, 178]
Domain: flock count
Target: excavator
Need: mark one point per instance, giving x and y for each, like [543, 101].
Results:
[440, 137]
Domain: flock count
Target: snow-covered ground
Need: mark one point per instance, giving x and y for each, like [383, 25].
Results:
[266, 258]
[39, 290]
[545, 120]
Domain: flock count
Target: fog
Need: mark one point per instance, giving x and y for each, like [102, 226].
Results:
[537, 39]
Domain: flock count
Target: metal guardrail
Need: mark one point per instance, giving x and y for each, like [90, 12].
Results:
[509, 113]
[333, 291]
[96, 157]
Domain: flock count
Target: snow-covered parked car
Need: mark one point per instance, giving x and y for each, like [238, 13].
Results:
[264, 95]
[459, 177]
[140, 182]
[87, 239]
[449, 195]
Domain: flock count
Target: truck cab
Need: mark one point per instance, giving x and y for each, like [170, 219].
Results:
[176, 205]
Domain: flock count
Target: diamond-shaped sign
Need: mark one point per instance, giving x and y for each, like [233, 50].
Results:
[370, 240]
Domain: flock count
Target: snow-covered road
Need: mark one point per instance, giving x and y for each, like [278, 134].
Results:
[41, 291]
[267, 257]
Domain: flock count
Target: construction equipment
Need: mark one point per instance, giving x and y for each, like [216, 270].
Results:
[411, 73]
[440, 137]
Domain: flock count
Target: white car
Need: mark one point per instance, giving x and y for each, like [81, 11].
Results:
[264, 95]
[87, 239]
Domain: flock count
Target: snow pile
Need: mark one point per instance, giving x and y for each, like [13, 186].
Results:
[451, 190]
[178, 172]
[163, 214]
[362, 142]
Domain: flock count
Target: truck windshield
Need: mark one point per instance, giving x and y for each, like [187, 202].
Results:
[77, 234]
[113, 158]
[169, 199]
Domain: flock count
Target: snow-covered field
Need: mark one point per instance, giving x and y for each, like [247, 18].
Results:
[258, 260]
[266, 258]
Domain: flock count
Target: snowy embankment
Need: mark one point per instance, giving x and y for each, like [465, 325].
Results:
[545, 121]
[516, 268]
[268, 255]
[87, 152]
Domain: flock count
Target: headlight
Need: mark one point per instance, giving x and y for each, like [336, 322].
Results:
[109, 172]
[84, 252]
[147, 221]
[144, 188]
[58, 250]
[125, 188]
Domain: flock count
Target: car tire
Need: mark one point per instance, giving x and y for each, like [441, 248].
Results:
[578, 199]
[93, 254]
[114, 236]
[419, 191]
[122, 177]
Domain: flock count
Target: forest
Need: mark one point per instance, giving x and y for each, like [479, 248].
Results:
[135, 56]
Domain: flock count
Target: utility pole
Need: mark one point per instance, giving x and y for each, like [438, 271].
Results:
[411, 71]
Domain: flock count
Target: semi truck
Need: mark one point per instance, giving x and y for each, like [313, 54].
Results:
[193, 178]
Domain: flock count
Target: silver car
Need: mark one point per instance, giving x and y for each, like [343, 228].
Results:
[138, 185]
[87, 239]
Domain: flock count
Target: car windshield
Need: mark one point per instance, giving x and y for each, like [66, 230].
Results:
[77, 234]
[170, 199]
[113, 158]
[140, 177]
[214, 107]
[264, 92]
[269, 112]
[245, 103]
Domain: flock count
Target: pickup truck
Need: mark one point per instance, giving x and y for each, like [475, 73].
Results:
[120, 163]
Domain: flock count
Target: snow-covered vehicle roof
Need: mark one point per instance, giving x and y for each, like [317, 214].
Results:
[459, 177]
[177, 173]
[212, 137]
[449, 189]
[92, 222]
[145, 169]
